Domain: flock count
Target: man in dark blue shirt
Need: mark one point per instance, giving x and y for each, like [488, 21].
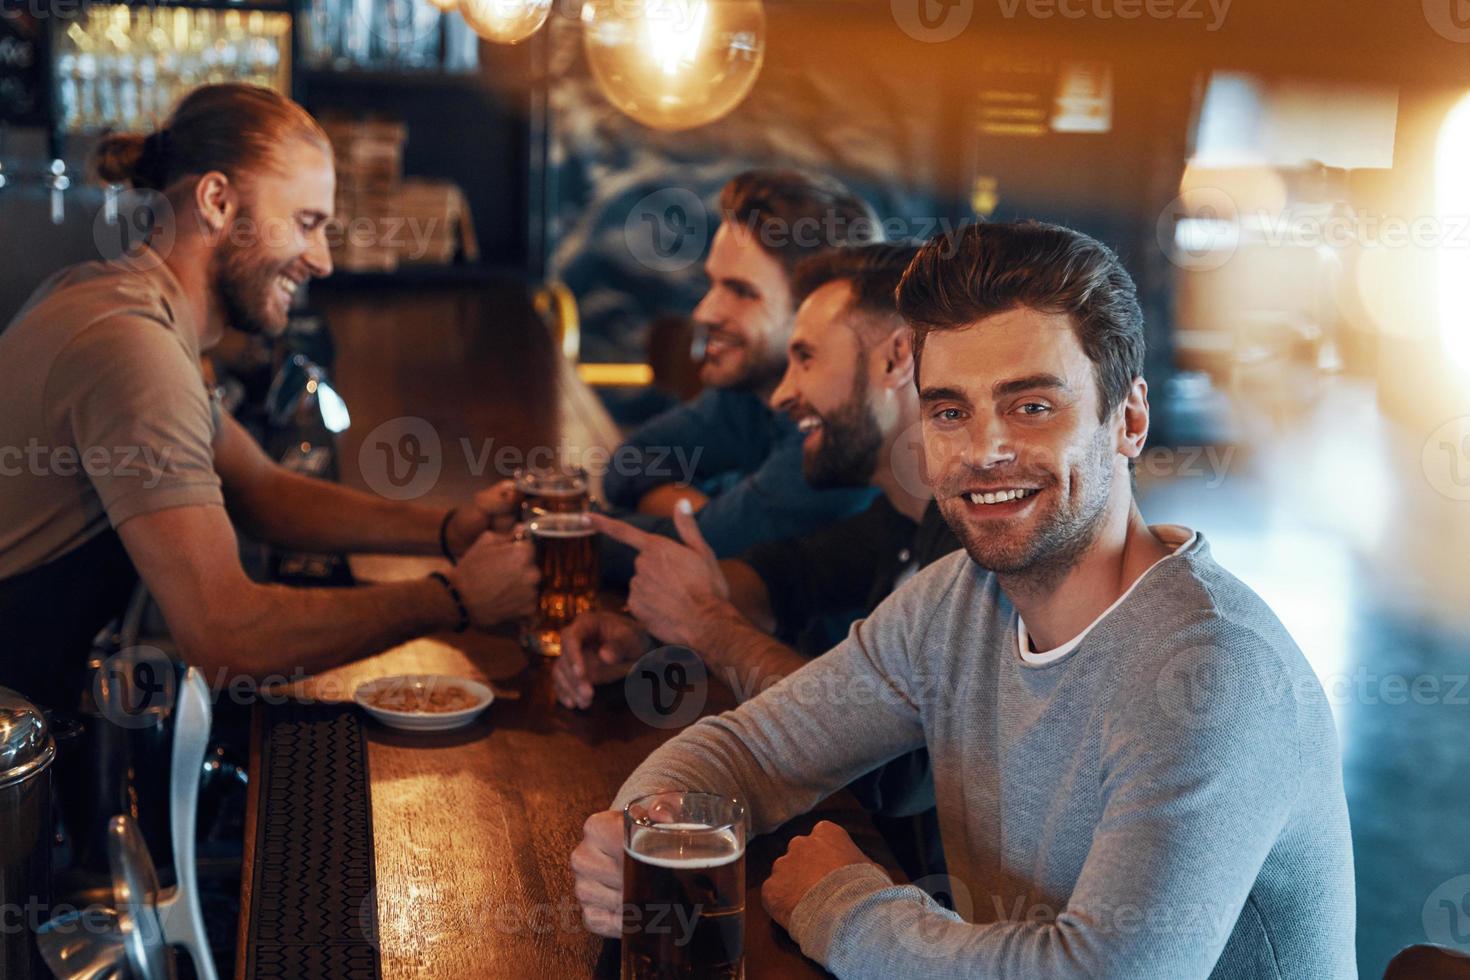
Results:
[745, 482]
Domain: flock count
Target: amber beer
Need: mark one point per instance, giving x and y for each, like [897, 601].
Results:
[560, 489]
[566, 554]
[684, 888]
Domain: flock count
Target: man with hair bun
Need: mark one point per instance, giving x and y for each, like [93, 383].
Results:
[115, 464]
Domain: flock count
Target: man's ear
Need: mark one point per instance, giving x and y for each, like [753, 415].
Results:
[897, 354]
[1132, 429]
[216, 202]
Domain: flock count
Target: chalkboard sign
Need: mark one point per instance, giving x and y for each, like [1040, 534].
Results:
[25, 92]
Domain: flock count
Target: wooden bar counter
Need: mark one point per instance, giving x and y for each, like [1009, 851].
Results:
[473, 829]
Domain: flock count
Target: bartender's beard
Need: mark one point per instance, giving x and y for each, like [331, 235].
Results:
[245, 281]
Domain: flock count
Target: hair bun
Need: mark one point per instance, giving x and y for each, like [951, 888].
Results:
[132, 158]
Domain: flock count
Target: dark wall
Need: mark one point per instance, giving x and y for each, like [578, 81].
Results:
[892, 116]
[31, 247]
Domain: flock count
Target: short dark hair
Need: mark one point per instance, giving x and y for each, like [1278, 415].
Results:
[984, 269]
[795, 215]
[872, 271]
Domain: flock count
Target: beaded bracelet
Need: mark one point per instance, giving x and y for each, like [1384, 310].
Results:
[464, 613]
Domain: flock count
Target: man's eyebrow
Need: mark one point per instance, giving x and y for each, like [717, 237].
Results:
[1029, 383]
[940, 394]
[729, 281]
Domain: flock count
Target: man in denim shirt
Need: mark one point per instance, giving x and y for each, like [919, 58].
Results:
[745, 479]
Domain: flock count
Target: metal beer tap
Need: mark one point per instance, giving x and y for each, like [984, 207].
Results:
[56, 178]
[58, 181]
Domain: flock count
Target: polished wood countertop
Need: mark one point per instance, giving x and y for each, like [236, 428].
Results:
[473, 830]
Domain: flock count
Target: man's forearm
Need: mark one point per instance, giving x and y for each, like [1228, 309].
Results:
[747, 660]
[288, 632]
[306, 514]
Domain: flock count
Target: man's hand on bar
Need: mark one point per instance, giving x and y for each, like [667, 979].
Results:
[491, 509]
[597, 864]
[808, 859]
[498, 578]
[598, 648]
[675, 584]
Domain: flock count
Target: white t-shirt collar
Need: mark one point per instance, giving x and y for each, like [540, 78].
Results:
[1178, 538]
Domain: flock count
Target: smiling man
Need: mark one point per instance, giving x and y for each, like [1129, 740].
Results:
[1136, 770]
[746, 483]
[101, 370]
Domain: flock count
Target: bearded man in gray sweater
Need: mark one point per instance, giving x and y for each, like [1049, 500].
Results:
[1137, 771]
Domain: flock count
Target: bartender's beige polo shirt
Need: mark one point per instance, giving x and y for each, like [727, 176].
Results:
[104, 413]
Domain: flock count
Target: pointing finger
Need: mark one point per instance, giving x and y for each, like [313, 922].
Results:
[622, 531]
[688, 529]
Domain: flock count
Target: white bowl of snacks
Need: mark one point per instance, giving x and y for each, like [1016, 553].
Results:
[424, 702]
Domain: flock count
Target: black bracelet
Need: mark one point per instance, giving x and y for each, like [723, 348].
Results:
[464, 613]
[444, 536]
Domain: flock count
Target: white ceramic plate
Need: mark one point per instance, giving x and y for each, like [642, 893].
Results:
[424, 721]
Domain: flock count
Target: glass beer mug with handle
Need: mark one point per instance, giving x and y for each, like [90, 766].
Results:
[684, 887]
[566, 554]
[559, 488]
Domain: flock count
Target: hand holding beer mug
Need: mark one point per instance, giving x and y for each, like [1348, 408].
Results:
[555, 505]
[497, 580]
[683, 887]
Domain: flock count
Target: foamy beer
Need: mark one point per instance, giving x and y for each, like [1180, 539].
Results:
[683, 888]
[555, 489]
[566, 554]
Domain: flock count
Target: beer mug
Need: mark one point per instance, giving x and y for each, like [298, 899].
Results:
[684, 887]
[556, 489]
[566, 554]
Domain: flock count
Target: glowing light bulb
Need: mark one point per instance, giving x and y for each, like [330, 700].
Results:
[505, 21]
[675, 64]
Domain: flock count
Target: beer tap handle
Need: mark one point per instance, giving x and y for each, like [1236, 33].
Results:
[179, 909]
[56, 176]
[58, 182]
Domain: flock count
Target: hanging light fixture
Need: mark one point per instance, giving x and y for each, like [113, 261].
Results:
[674, 64]
[504, 21]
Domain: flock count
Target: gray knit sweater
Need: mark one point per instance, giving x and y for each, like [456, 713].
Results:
[1163, 802]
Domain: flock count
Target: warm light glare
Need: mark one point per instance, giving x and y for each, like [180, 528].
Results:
[1452, 199]
[675, 64]
[672, 45]
[504, 21]
[445, 5]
